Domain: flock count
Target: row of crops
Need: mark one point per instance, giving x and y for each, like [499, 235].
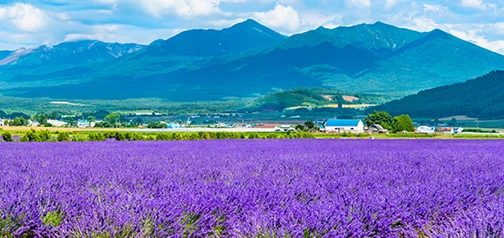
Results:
[253, 188]
[57, 136]
[47, 136]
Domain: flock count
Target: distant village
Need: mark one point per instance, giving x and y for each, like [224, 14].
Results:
[358, 125]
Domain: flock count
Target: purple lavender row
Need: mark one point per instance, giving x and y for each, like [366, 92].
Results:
[294, 188]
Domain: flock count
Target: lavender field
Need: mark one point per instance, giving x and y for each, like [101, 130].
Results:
[253, 188]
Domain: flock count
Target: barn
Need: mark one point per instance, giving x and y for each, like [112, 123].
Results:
[341, 125]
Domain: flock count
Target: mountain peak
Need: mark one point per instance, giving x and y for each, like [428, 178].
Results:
[380, 23]
[244, 36]
[437, 33]
[251, 21]
[248, 24]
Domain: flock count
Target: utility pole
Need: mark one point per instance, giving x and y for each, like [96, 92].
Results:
[477, 127]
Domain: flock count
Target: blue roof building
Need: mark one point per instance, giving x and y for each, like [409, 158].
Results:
[174, 126]
[344, 125]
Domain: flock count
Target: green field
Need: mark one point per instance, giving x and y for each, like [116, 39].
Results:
[26, 134]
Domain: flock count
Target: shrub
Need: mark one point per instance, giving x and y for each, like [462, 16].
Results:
[271, 136]
[30, 136]
[163, 136]
[120, 136]
[136, 137]
[44, 136]
[96, 137]
[63, 136]
[7, 136]
[254, 136]
[175, 136]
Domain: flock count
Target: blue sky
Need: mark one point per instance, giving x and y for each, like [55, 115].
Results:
[29, 23]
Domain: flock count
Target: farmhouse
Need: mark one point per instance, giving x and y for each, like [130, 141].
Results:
[174, 125]
[266, 126]
[57, 123]
[84, 123]
[340, 126]
[447, 130]
[377, 129]
[425, 130]
[33, 123]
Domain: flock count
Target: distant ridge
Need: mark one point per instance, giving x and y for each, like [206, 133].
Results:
[482, 97]
[381, 38]
[70, 53]
[249, 60]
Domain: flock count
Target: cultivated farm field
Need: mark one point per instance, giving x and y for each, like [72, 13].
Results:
[253, 188]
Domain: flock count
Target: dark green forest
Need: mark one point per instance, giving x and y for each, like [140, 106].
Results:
[482, 97]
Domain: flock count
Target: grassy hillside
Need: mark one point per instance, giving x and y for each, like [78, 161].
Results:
[312, 98]
[482, 97]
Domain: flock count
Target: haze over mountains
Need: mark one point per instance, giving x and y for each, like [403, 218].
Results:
[246, 60]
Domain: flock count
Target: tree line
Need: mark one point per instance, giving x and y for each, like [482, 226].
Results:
[47, 136]
[393, 124]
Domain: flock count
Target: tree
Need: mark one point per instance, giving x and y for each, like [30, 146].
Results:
[71, 121]
[91, 119]
[40, 118]
[300, 128]
[309, 124]
[53, 115]
[381, 118]
[153, 124]
[403, 123]
[453, 122]
[19, 121]
[113, 118]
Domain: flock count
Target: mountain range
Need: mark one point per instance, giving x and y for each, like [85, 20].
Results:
[247, 60]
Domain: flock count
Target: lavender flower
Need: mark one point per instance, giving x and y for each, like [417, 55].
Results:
[248, 188]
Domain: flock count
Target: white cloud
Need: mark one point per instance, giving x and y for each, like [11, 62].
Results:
[24, 17]
[282, 18]
[390, 3]
[311, 20]
[432, 8]
[121, 33]
[28, 25]
[182, 8]
[223, 23]
[359, 3]
[476, 4]
[108, 2]
[422, 24]
[475, 37]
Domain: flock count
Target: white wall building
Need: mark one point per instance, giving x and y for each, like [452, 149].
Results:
[57, 123]
[425, 130]
[340, 126]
